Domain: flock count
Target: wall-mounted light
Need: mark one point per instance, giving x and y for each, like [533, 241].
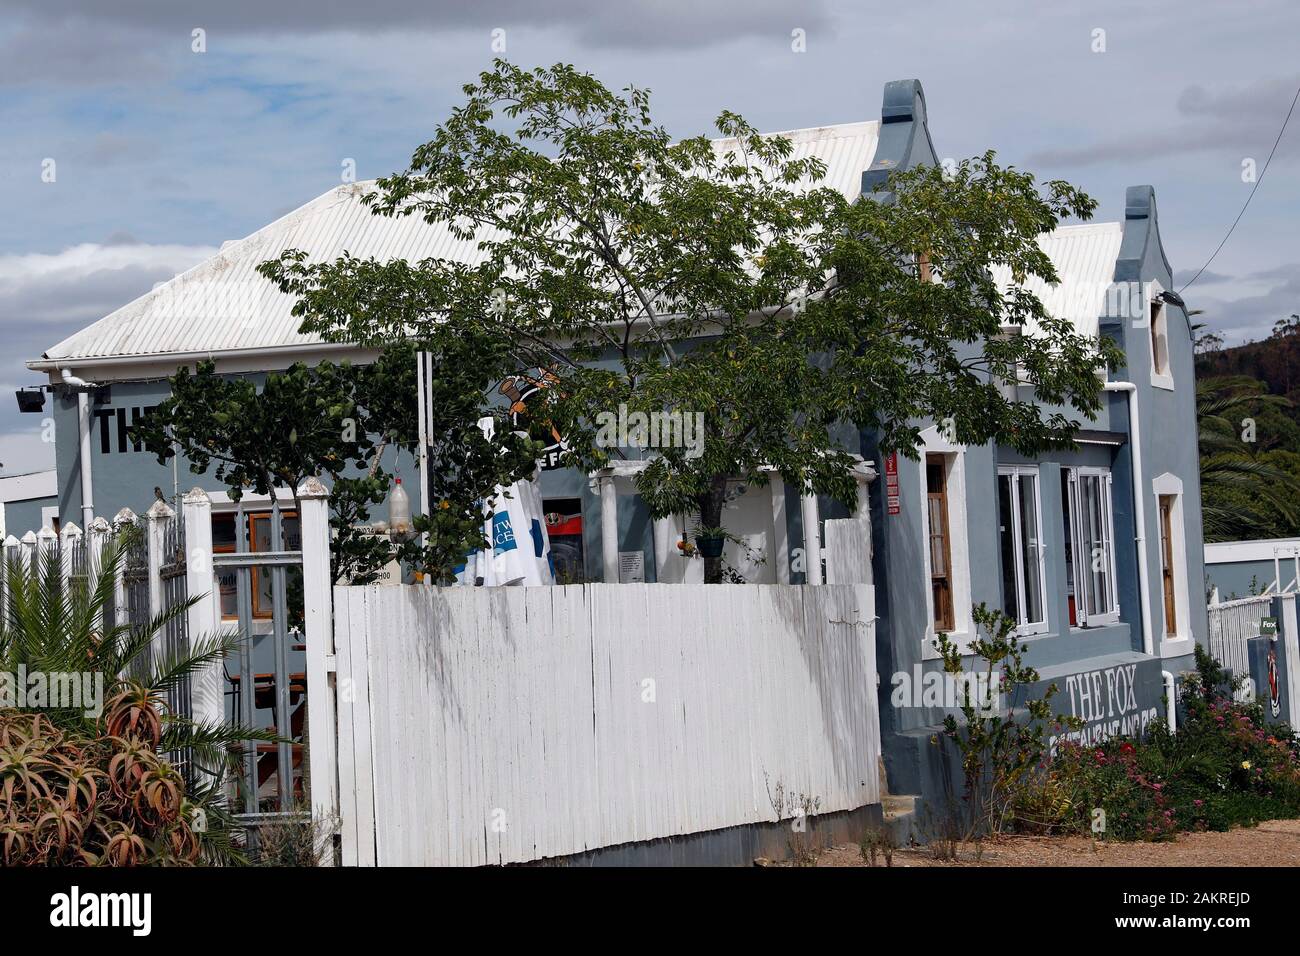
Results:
[31, 399]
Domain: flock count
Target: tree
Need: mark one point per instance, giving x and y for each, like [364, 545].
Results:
[724, 281]
[338, 420]
[1248, 488]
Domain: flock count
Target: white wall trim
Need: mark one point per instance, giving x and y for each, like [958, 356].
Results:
[1163, 380]
[1171, 484]
[37, 484]
[1035, 471]
[1264, 549]
[934, 442]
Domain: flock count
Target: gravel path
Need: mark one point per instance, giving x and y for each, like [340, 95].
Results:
[1275, 843]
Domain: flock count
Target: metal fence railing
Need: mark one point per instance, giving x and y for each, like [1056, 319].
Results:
[1232, 624]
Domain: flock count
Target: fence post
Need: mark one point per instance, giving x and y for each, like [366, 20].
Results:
[69, 542]
[47, 544]
[207, 691]
[318, 625]
[156, 517]
[1289, 633]
[9, 560]
[96, 539]
[121, 521]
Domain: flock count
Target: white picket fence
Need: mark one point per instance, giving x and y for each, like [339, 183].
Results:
[502, 725]
[1232, 624]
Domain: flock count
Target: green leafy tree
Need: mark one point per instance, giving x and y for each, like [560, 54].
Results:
[1249, 485]
[338, 421]
[721, 280]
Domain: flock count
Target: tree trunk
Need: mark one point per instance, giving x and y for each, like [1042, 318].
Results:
[710, 505]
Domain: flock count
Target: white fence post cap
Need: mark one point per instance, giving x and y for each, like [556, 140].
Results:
[313, 487]
[158, 510]
[196, 496]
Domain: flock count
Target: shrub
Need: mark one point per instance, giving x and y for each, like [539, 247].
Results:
[1224, 767]
[73, 799]
[83, 789]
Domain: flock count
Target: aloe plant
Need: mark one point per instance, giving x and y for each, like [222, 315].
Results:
[96, 788]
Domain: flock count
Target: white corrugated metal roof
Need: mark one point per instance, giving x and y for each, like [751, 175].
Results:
[224, 305]
[1084, 257]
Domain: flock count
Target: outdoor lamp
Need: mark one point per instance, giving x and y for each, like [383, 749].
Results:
[30, 399]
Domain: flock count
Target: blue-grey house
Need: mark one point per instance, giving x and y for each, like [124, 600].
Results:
[1096, 552]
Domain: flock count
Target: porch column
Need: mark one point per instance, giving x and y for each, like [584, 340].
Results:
[812, 541]
[608, 529]
[665, 550]
[780, 533]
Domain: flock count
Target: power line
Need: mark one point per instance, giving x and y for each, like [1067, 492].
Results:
[1245, 205]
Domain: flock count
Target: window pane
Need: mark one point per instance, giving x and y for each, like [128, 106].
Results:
[1098, 557]
[1030, 548]
[1006, 537]
[938, 541]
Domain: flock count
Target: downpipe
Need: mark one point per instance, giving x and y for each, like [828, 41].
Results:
[83, 389]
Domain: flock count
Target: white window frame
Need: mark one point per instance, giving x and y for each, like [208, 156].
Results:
[1180, 643]
[1081, 564]
[1158, 336]
[1015, 472]
[935, 442]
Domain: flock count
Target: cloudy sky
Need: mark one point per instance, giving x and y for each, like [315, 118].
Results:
[162, 153]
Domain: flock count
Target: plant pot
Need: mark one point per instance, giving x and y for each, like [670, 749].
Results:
[710, 547]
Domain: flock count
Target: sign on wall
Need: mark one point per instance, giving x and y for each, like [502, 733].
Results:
[112, 424]
[891, 482]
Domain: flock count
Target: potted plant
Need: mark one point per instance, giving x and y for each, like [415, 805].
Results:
[709, 541]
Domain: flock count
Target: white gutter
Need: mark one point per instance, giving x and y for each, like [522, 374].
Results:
[83, 426]
[1139, 509]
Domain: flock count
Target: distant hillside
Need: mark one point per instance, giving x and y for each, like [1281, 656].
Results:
[1275, 361]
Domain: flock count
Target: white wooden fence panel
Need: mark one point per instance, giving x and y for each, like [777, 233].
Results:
[497, 725]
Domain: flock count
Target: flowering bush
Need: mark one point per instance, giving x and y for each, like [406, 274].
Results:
[1224, 767]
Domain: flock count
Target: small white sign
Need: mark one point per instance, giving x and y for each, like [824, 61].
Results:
[631, 567]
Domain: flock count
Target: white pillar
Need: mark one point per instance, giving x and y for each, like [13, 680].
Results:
[812, 542]
[609, 529]
[69, 542]
[47, 543]
[156, 519]
[666, 553]
[27, 551]
[123, 520]
[96, 540]
[203, 618]
[12, 549]
[318, 626]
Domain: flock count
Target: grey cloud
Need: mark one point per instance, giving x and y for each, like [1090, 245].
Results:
[1206, 278]
[1242, 122]
[54, 53]
[1251, 317]
[597, 23]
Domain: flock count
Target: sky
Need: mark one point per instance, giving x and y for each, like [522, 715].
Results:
[163, 146]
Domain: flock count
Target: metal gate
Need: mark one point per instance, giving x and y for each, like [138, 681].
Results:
[260, 583]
